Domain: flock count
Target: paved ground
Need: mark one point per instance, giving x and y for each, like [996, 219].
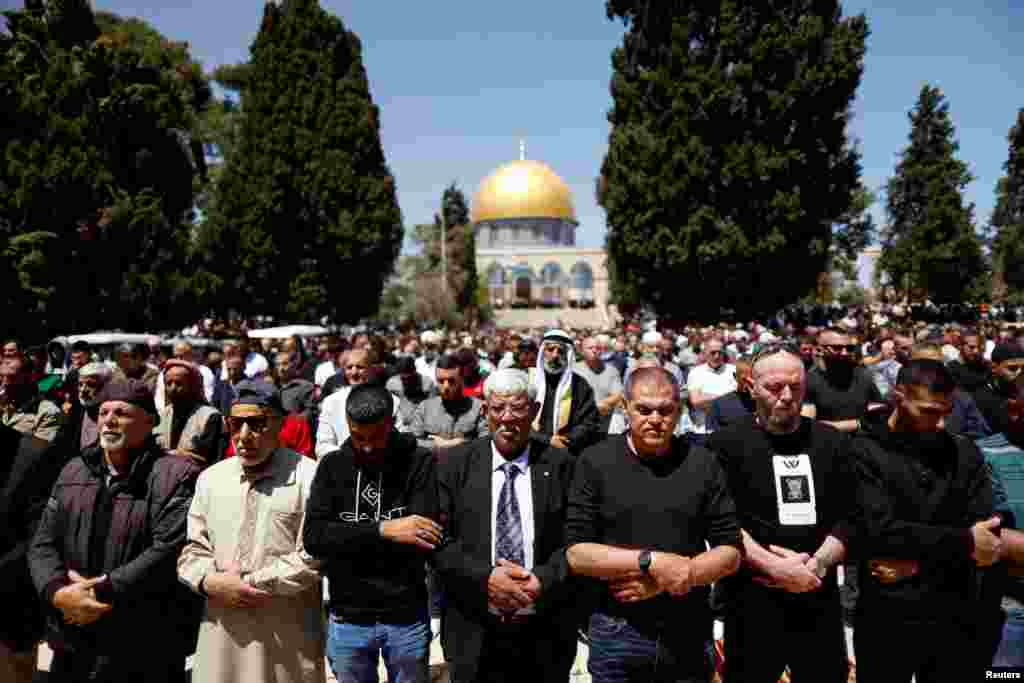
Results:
[438, 669]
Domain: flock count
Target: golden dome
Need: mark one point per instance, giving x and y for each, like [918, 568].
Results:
[523, 189]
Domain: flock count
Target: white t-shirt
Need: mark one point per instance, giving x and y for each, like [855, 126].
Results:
[324, 372]
[255, 367]
[713, 382]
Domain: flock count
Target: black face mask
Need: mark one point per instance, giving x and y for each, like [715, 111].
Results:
[841, 367]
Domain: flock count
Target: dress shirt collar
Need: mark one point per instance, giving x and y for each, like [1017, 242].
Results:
[522, 460]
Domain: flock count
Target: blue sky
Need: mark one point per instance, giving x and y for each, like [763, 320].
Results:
[460, 82]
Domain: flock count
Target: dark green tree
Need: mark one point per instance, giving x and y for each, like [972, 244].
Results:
[729, 171]
[1008, 216]
[98, 176]
[929, 245]
[460, 249]
[305, 221]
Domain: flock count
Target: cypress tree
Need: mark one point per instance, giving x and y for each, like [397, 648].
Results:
[98, 176]
[1008, 215]
[305, 221]
[929, 245]
[729, 171]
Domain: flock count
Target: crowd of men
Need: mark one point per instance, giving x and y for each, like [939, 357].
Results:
[497, 491]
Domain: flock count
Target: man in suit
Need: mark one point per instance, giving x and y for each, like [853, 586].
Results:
[509, 613]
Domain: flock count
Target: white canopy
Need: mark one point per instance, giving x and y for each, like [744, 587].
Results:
[286, 331]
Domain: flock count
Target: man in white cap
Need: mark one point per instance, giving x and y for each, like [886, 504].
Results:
[568, 416]
[654, 344]
[426, 364]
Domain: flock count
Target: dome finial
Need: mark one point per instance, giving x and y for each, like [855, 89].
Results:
[522, 149]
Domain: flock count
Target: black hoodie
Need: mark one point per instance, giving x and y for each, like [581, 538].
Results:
[371, 577]
[918, 497]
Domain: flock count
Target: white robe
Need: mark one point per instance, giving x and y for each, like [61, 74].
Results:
[257, 523]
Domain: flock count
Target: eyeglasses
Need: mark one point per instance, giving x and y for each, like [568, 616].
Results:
[257, 423]
[514, 410]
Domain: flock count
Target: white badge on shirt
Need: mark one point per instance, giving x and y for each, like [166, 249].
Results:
[794, 490]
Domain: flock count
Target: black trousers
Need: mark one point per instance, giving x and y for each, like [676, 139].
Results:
[892, 650]
[767, 629]
[85, 668]
[524, 654]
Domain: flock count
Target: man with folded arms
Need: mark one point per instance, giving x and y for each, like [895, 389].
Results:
[643, 510]
[793, 486]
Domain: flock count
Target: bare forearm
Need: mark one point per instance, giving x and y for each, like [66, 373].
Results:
[602, 561]
[1013, 544]
[844, 425]
[756, 556]
[699, 400]
[714, 564]
[831, 552]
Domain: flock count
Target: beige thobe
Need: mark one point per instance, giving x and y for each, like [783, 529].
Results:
[256, 520]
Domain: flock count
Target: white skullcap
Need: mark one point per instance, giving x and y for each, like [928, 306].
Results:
[652, 337]
[430, 337]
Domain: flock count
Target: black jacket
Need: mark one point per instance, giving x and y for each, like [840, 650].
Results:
[464, 562]
[28, 468]
[371, 577]
[130, 530]
[918, 501]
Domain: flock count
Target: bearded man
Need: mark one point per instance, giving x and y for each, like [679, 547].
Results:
[104, 555]
[568, 416]
[187, 425]
[91, 380]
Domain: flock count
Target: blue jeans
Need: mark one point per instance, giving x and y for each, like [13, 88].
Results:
[354, 649]
[1011, 647]
[620, 653]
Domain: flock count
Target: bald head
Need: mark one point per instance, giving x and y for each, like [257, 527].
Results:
[649, 374]
[183, 351]
[779, 387]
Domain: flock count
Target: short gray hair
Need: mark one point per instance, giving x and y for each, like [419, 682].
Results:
[101, 370]
[510, 381]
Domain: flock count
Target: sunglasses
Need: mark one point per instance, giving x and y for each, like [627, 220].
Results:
[839, 348]
[257, 424]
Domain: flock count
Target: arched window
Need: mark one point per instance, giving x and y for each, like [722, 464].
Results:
[551, 274]
[522, 284]
[551, 284]
[496, 281]
[582, 291]
[582, 276]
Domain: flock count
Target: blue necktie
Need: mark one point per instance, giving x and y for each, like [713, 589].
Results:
[509, 526]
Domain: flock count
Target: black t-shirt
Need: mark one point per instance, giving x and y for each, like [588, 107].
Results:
[673, 504]
[845, 399]
[746, 453]
[970, 378]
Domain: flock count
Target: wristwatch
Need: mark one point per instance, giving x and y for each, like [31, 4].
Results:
[645, 562]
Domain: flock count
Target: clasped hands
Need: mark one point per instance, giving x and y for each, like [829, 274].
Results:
[988, 550]
[77, 601]
[226, 588]
[511, 587]
[669, 573]
[792, 572]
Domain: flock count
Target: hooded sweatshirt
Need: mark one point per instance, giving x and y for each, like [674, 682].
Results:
[370, 576]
